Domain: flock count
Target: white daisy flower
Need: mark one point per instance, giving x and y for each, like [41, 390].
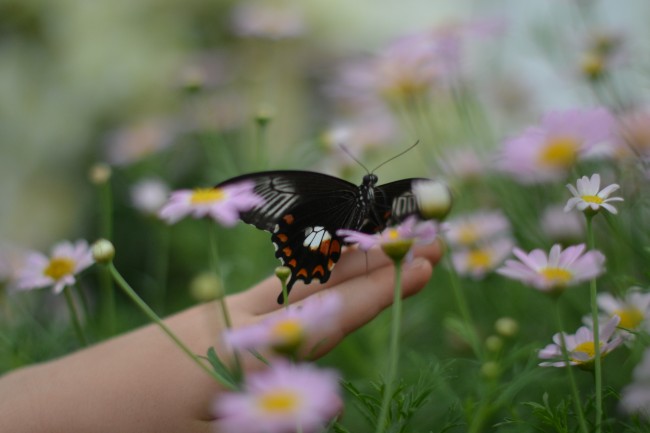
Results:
[580, 347]
[633, 310]
[149, 195]
[635, 397]
[589, 197]
[58, 270]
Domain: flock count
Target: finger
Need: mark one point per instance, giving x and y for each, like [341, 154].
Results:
[364, 297]
[262, 298]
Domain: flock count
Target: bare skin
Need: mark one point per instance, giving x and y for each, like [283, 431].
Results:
[141, 382]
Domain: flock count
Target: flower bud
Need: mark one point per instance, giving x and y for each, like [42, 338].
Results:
[398, 248]
[506, 326]
[263, 116]
[494, 343]
[283, 273]
[192, 79]
[103, 251]
[490, 370]
[592, 66]
[206, 287]
[434, 198]
[100, 173]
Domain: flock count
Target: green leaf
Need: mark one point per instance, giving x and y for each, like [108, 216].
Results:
[222, 371]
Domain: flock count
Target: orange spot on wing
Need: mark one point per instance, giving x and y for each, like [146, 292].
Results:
[318, 270]
[282, 237]
[330, 264]
[292, 263]
[335, 248]
[302, 272]
[287, 251]
[325, 247]
[289, 219]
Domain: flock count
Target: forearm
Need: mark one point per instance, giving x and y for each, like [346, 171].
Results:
[135, 383]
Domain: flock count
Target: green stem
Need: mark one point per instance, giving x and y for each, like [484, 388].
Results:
[285, 293]
[161, 265]
[121, 282]
[107, 297]
[593, 292]
[74, 316]
[572, 381]
[261, 128]
[393, 359]
[463, 308]
[85, 305]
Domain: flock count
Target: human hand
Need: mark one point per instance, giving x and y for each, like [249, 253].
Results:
[141, 382]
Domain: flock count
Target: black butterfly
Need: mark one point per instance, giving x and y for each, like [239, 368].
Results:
[303, 210]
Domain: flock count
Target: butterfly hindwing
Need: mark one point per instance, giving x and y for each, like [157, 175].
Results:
[309, 253]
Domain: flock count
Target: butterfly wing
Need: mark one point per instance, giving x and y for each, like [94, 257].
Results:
[394, 202]
[303, 210]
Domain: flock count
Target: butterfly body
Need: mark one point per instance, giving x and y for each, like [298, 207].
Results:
[303, 211]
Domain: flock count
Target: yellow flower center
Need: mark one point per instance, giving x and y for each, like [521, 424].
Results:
[59, 267]
[631, 317]
[588, 348]
[207, 195]
[280, 402]
[479, 259]
[392, 234]
[592, 199]
[557, 276]
[288, 332]
[467, 234]
[560, 152]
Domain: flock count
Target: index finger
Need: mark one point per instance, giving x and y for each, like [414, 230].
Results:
[262, 298]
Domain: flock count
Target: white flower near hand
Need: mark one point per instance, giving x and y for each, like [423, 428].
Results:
[58, 270]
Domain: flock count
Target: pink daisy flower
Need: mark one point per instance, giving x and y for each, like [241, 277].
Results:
[288, 329]
[268, 20]
[410, 230]
[580, 346]
[589, 197]
[562, 227]
[285, 398]
[469, 229]
[547, 152]
[221, 204]
[478, 261]
[58, 270]
[555, 271]
[139, 140]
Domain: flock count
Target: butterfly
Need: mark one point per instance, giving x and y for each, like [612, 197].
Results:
[303, 211]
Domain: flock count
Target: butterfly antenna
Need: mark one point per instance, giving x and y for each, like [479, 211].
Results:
[396, 156]
[346, 150]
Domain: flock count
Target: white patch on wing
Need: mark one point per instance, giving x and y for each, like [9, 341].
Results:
[314, 236]
[279, 196]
